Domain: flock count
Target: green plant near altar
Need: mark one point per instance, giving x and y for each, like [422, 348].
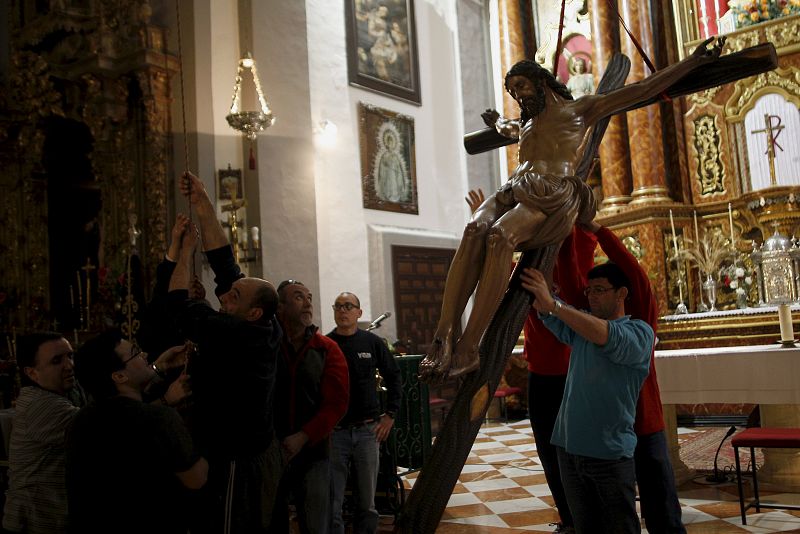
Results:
[750, 12]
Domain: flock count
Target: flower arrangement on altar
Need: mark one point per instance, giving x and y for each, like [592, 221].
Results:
[740, 281]
[709, 253]
[749, 12]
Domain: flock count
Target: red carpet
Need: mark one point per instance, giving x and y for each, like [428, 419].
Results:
[698, 449]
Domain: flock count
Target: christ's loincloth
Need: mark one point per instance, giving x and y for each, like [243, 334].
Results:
[565, 200]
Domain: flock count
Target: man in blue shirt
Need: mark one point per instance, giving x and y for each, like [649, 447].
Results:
[594, 432]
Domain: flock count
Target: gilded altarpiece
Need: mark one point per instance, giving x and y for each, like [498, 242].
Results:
[98, 70]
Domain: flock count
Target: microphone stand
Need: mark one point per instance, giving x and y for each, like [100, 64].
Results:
[717, 477]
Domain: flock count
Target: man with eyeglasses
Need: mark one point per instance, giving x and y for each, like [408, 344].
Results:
[311, 396]
[233, 376]
[121, 451]
[654, 475]
[36, 501]
[594, 432]
[357, 437]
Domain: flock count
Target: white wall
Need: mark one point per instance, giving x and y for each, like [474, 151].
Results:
[307, 199]
[342, 222]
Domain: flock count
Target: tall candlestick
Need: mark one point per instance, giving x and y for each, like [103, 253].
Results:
[730, 221]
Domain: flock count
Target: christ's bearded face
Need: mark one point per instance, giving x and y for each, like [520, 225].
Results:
[528, 93]
[534, 104]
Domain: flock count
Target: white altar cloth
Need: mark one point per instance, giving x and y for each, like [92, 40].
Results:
[758, 374]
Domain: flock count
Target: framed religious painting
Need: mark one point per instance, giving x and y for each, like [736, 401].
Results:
[388, 161]
[230, 183]
[382, 47]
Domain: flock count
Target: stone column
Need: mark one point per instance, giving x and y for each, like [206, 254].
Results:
[512, 49]
[644, 125]
[781, 466]
[683, 473]
[615, 163]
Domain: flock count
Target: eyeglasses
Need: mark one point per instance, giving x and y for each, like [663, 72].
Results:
[598, 290]
[346, 306]
[135, 352]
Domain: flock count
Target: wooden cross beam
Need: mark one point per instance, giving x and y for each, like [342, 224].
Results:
[726, 69]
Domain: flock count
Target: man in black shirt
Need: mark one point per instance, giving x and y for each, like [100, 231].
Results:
[357, 437]
[121, 451]
[233, 377]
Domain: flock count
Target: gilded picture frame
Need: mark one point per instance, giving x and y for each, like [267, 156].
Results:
[227, 180]
[382, 48]
[388, 160]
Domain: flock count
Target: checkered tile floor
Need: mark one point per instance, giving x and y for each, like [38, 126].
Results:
[502, 489]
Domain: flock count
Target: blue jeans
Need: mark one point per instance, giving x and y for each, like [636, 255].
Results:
[544, 400]
[308, 480]
[601, 493]
[356, 447]
[659, 499]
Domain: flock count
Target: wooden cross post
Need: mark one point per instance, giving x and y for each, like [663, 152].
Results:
[773, 131]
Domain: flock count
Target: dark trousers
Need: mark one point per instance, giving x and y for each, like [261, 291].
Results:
[544, 400]
[239, 494]
[659, 499]
[601, 493]
[308, 481]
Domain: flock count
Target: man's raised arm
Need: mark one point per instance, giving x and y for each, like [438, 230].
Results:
[213, 235]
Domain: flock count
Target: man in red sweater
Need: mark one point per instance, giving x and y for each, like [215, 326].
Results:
[312, 391]
[548, 363]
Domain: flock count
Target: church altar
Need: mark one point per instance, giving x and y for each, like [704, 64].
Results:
[768, 375]
[752, 326]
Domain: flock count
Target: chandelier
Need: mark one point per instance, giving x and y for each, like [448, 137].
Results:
[249, 122]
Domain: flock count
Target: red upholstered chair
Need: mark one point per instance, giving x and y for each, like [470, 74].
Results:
[502, 393]
[765, 438]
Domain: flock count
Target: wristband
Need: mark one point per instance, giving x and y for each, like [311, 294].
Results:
[158, 371]
[556, 308]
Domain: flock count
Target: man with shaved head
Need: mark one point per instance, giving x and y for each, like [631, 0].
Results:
[357, 437]
[233, 377]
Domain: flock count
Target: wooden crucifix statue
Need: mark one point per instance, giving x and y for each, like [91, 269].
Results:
[541, 202]
[533, 212]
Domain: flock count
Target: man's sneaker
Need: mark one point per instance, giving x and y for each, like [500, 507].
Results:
[562, 529]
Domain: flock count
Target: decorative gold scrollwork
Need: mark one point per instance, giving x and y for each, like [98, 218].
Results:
[710, 170]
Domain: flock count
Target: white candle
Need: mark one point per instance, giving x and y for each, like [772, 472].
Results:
[696, 230]
[244, 237]
[674, 235]
[254, 236]
[730, 221]
[785, 318]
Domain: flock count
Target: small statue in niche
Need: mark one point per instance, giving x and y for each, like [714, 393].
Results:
[581, 82]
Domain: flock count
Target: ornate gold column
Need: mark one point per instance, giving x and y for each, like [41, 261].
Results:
[512, 50]
[644, 125]
[615, 163]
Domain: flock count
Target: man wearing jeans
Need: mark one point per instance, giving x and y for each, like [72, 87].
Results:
[594, 432]
[311, 396]
[357, 437]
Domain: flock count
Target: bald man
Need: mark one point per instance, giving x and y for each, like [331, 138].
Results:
[233, 377]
